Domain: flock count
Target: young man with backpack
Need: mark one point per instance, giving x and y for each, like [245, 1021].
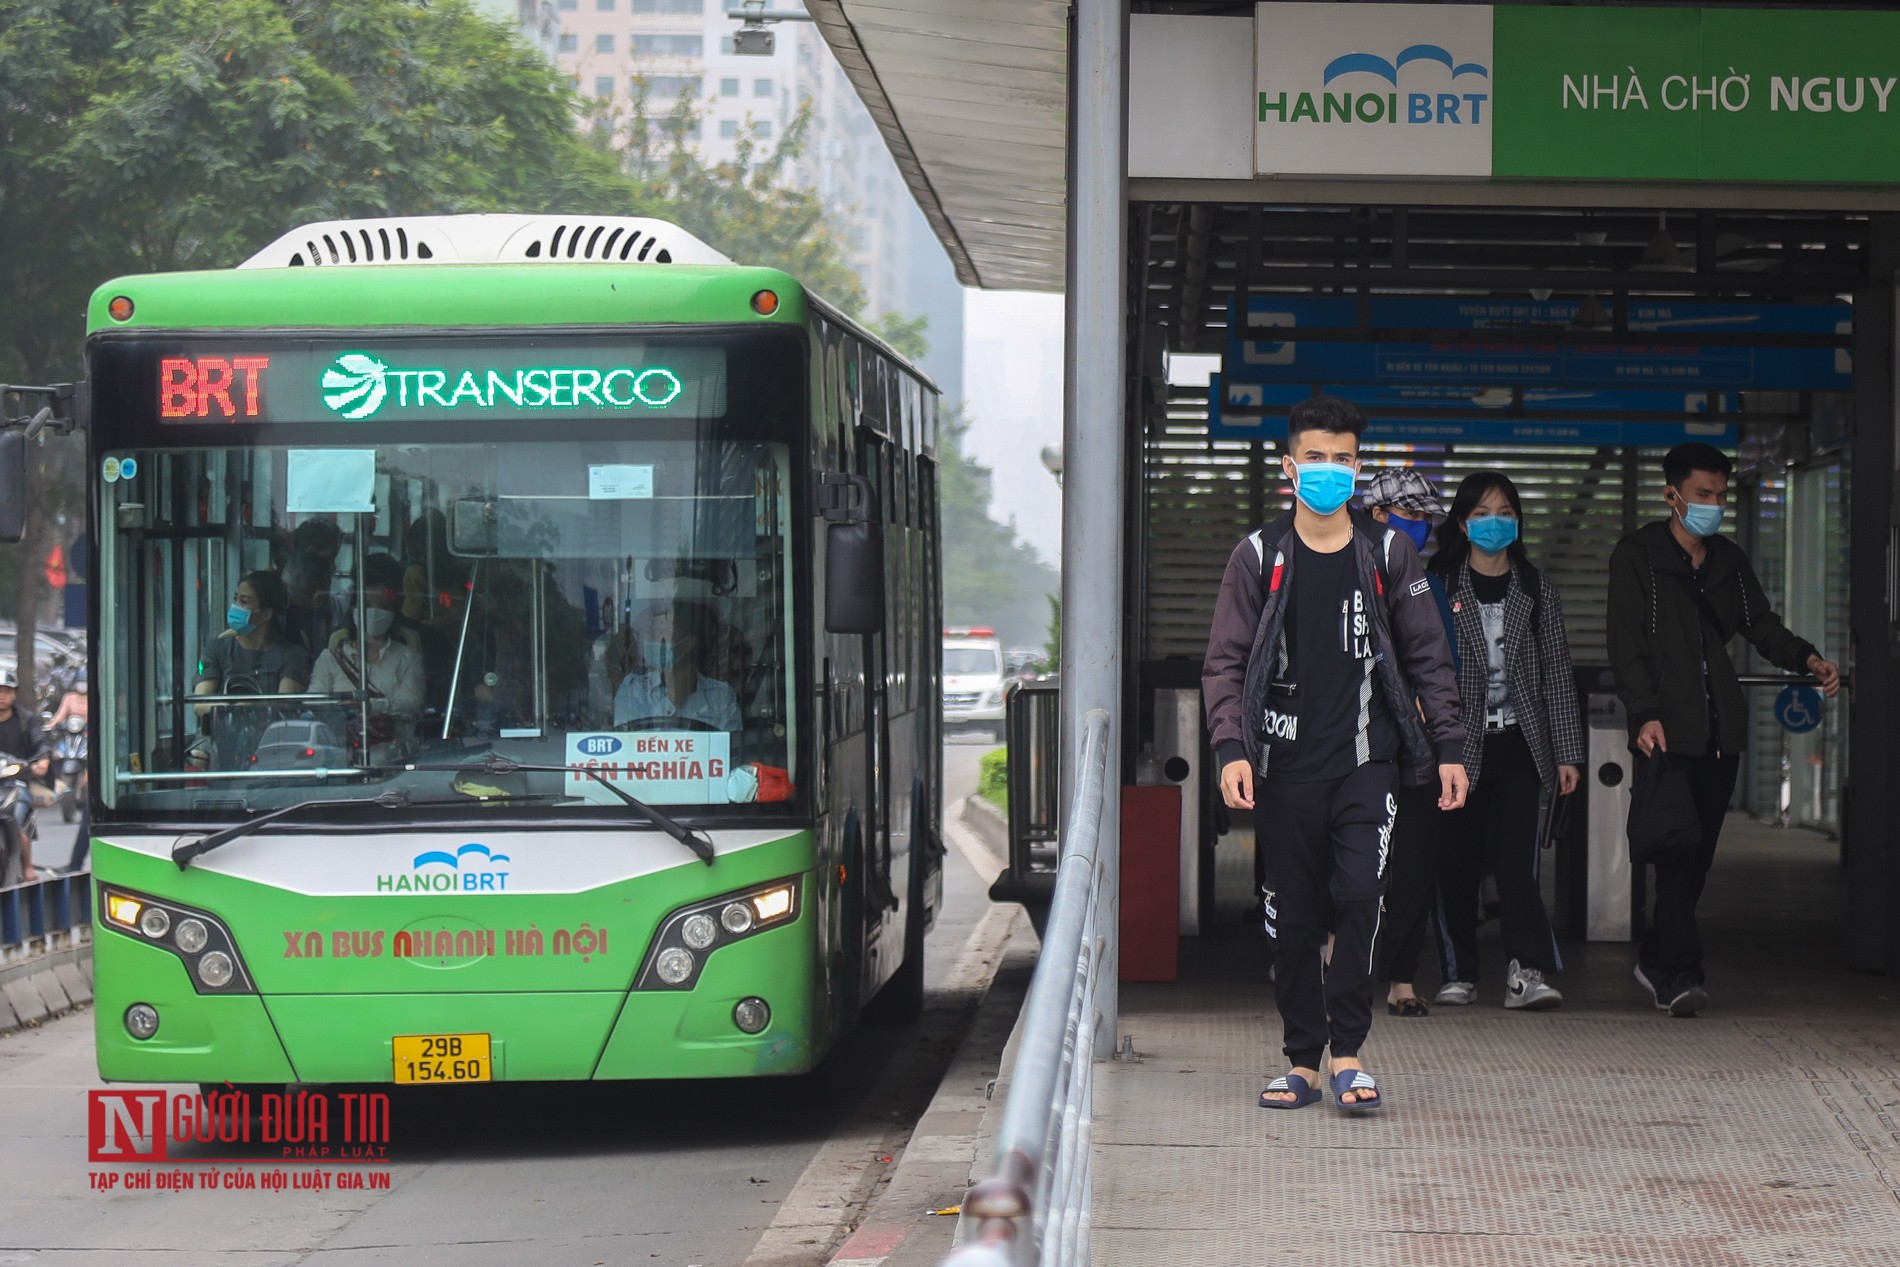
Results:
[1679, 594]
[1325, 647]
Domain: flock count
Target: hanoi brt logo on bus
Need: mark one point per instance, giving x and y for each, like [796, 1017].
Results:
[427, 873]
[356, 385]
[1372, 89]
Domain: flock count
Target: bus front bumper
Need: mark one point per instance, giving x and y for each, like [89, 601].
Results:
[534, 1036]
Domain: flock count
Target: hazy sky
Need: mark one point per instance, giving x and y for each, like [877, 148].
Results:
[1012, 381]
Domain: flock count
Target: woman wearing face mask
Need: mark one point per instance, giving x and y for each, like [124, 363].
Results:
[387, 667]
[1523, 737]
[251, 657]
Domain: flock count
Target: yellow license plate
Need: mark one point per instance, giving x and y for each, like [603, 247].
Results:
[443, 1058]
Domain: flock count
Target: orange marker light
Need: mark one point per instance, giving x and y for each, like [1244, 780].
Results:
[765, 303]
[120, 308]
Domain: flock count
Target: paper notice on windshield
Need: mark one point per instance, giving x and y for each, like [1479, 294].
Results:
[660, 767]
[330, 481]
[619, 482]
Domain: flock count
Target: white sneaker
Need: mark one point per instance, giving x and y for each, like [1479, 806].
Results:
[1456, 994]
[1525, 988]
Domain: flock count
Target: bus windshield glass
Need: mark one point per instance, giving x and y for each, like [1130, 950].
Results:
[317, 614]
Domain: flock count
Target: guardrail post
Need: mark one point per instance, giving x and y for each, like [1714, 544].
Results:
[1092, 431]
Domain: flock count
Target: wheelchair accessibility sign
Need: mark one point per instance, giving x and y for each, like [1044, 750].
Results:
[1798, 709]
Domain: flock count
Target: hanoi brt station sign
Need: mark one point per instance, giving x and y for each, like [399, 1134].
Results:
[1520, 93]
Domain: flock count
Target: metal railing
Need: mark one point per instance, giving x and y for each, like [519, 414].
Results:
[41, 916]
[1033, 1209]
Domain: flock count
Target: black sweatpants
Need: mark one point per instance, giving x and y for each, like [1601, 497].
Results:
[1496, 831]
[1671, 953]
[1323, 848]
[1411, 884]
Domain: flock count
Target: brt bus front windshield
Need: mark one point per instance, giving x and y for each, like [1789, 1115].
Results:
[284, 623]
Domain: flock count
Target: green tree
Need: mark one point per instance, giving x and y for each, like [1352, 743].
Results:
[744, 208]
[909, 336]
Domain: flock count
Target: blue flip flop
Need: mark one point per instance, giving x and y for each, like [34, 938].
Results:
[1304, 1093]
[1360, 1081]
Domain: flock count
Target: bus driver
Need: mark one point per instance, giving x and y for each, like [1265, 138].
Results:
[669, 636]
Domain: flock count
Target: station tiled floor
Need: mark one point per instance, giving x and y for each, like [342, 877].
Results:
[1763, 1131]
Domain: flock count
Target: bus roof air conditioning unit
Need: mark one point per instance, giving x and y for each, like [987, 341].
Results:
[486, 239]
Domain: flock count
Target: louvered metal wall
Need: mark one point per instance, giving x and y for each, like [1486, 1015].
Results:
[1202, 496]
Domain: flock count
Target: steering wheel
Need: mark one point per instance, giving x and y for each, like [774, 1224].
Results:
[668, 721]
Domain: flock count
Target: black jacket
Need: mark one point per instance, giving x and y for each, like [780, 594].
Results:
[1658, 638]
[1537, 672]
[23, 736]
[1411, 652]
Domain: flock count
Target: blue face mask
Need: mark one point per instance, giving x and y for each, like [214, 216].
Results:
[1324, 486]
[1701, 520]
[238, 618]
[1419, 530]
[1492, 534]
[659, 653]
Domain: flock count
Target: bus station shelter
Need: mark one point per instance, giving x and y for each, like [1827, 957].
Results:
[1553, 240]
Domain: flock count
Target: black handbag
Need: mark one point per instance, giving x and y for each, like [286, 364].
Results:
[1663, 823]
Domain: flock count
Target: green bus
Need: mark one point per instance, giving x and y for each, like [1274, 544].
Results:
[515, 652]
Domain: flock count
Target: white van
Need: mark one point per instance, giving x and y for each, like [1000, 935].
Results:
[973, 680]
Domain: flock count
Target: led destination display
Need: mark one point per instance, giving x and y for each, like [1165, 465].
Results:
[402, 380]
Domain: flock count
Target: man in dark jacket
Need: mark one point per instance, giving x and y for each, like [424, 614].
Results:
[1324, 635]
[1678, 594]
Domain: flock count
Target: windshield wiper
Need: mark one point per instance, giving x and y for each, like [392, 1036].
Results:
[492, 764]
[183, 853]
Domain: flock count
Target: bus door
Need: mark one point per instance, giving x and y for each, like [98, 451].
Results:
[874, 461]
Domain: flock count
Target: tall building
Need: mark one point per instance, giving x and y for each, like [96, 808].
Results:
[537, 20]
[615, 48]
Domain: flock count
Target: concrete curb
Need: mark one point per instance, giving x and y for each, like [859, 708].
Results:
[990, 824]
[33, 991]
[953, 1138]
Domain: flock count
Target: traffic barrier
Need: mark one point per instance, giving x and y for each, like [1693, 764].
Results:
[38, 917]
[1033, 1208]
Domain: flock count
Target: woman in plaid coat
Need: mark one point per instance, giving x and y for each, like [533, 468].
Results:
[1514, 676]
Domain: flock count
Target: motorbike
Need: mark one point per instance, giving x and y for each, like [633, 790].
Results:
[14, 789]
[70, 749]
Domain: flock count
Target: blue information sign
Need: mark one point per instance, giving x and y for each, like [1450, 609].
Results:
[1798, 709]
[1270, 350]
[1254, 411]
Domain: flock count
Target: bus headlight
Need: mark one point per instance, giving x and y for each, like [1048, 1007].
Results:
[699, 931]
[692, 933]
[198, 938]
[141, 1021]
[674, 965]
[214, 969]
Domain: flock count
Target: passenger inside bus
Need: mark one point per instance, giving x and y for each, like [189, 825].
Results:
[667, 686]
[382, 658]
[251, 657]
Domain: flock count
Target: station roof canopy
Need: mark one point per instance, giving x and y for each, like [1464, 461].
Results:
[971, 96]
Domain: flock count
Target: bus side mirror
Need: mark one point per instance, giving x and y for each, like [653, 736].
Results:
[854, 577]
[854, 553]
[12, 486]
